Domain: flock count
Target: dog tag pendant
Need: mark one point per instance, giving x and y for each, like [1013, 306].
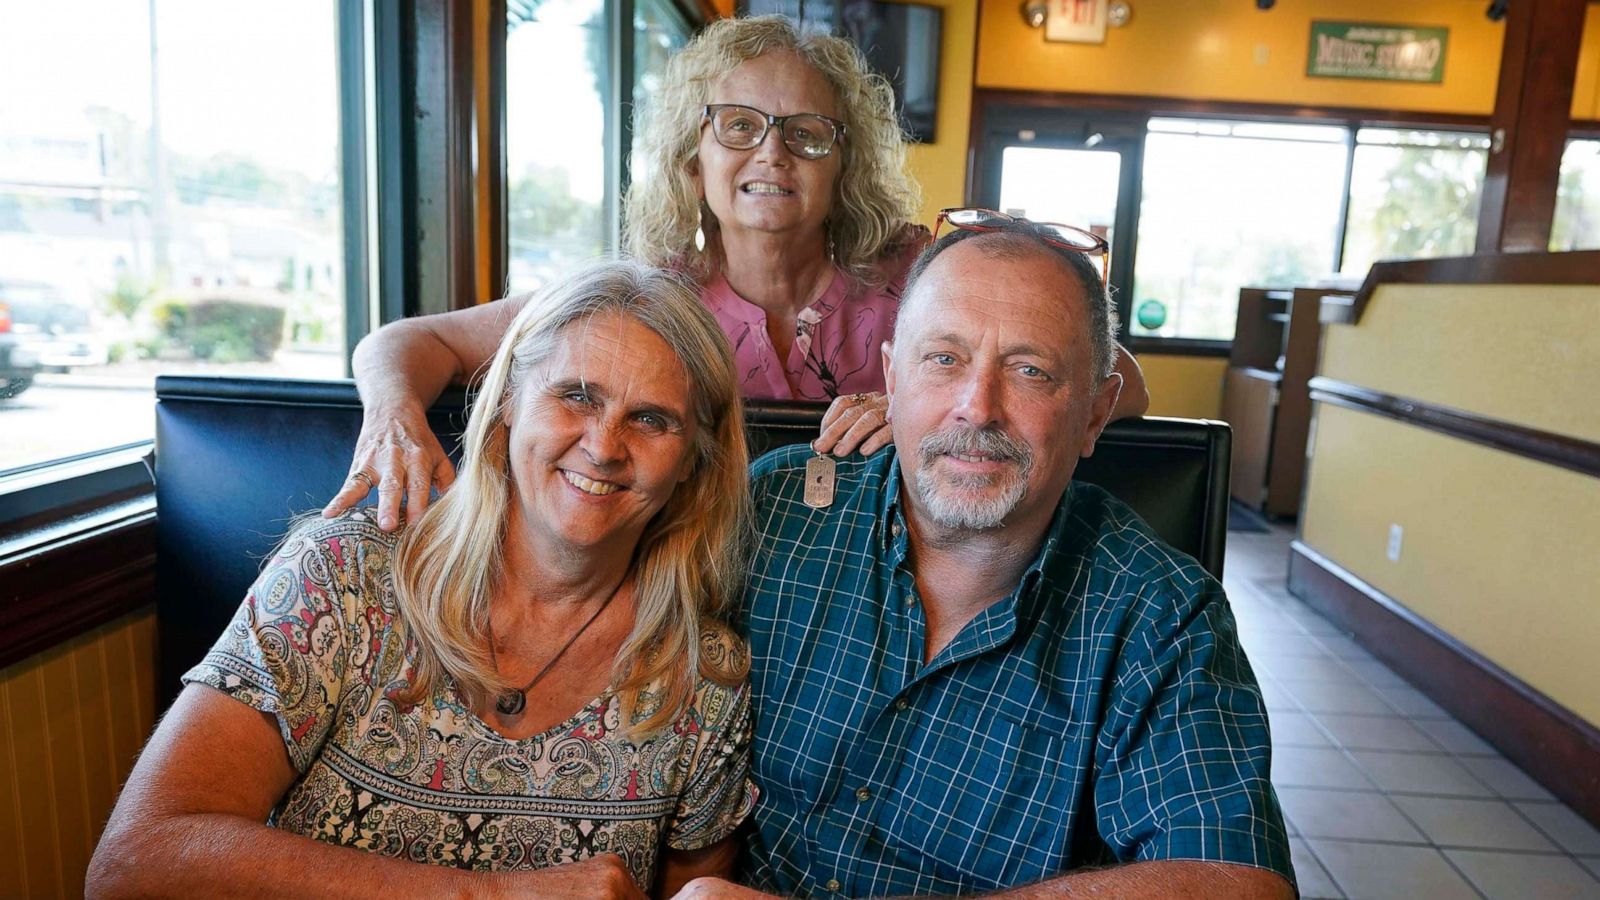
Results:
[819, 481]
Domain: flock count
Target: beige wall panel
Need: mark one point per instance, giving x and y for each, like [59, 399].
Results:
[1500, 551]
[1526, 354]
[1184, 385]
[71, 722]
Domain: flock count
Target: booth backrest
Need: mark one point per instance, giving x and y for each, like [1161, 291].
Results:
[236, 458]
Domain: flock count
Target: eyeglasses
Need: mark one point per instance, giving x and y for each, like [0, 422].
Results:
[1057, 235]
[807, 135]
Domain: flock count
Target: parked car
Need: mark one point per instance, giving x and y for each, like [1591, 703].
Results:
[42, 331]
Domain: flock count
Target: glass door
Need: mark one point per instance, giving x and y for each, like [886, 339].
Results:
[1057, 184]
[1055, 166]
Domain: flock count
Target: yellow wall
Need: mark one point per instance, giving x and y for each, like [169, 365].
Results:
[1188, 386]
[1524, 354]
[1586, 90]
[941, 167]
[72, 720]
[1497, 550]
[1234, 52]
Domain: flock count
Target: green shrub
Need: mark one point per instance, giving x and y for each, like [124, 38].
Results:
[220, 329]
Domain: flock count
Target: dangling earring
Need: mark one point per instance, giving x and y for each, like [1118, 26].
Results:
[700, 231]
[828, 230]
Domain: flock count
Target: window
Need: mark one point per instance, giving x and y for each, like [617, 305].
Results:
[557, 183]
[659, 31]
[564, 181]
[1227, 205]
[1413, 194]
[172, 205]
[1577, 221]
[1055, 184]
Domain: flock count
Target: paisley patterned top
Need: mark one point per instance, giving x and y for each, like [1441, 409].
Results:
[835, 349]
[314, 645]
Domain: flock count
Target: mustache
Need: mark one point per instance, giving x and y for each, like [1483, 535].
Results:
[990, 442]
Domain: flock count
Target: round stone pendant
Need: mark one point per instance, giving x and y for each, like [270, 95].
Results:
[511, 703]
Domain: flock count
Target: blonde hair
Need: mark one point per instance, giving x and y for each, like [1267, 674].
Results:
[689, 562]
[875, 197]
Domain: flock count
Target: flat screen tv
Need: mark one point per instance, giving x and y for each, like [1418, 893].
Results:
[899, 40]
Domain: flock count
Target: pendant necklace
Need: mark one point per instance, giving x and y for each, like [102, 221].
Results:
[819, 481]
[512, 702]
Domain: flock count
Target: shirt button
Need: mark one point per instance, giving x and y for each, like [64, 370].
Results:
[833, 885]
[911, 599]
[895, 529]
[902, 704]
[863, 795]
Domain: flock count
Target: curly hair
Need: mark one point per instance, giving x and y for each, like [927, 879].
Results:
[875, 196]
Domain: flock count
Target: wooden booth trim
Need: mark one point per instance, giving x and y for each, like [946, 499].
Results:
[1573, 267]
[1573, 454]
[1157, 105]
[1549, 742]
[60, 590]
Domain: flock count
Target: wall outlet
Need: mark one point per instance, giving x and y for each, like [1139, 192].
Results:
[1395, 534]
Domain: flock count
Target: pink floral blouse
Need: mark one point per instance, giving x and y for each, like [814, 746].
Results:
[835, 349]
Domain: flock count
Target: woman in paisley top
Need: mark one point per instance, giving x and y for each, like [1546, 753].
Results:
[527, 691]
[774, 175]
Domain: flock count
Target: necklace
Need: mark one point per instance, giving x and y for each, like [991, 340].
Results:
[513, 702]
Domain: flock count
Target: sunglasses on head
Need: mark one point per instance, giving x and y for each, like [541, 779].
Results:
[1066, 237]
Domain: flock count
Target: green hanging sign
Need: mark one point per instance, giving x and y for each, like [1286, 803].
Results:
[1377, 52]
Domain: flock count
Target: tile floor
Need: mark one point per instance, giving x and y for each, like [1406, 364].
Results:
[1386, 795]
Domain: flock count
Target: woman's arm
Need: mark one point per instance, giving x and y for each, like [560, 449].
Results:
[191, 822]
[1135, 397]
[400, 369]
[679, 867]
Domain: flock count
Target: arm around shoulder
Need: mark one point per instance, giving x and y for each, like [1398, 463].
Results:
[1135, 397]
[400, 369]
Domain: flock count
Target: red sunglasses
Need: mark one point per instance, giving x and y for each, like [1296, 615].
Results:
[1064, 236]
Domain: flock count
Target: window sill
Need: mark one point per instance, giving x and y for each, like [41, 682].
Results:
[1159, 346]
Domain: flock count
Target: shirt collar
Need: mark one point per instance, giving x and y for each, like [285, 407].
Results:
[720, 295]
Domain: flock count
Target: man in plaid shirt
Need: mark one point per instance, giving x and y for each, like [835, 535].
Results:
[971, 674]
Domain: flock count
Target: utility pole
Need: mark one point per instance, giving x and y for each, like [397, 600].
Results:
[160, 228]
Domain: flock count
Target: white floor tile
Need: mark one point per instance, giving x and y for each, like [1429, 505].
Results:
[1420, 773]
[1486, 824]
[1515, 876]
[1386, 871]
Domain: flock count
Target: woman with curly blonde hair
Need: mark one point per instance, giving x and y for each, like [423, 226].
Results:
[775, 176]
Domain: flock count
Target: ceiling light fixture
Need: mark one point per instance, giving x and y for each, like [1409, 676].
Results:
[1034, 11]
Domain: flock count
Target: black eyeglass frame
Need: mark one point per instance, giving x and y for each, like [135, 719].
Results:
[769, 121]
[996, 221]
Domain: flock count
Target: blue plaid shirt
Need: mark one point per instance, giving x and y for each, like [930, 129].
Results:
[1102, 712]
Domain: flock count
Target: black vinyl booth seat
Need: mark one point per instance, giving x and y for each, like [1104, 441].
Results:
[236, 458]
